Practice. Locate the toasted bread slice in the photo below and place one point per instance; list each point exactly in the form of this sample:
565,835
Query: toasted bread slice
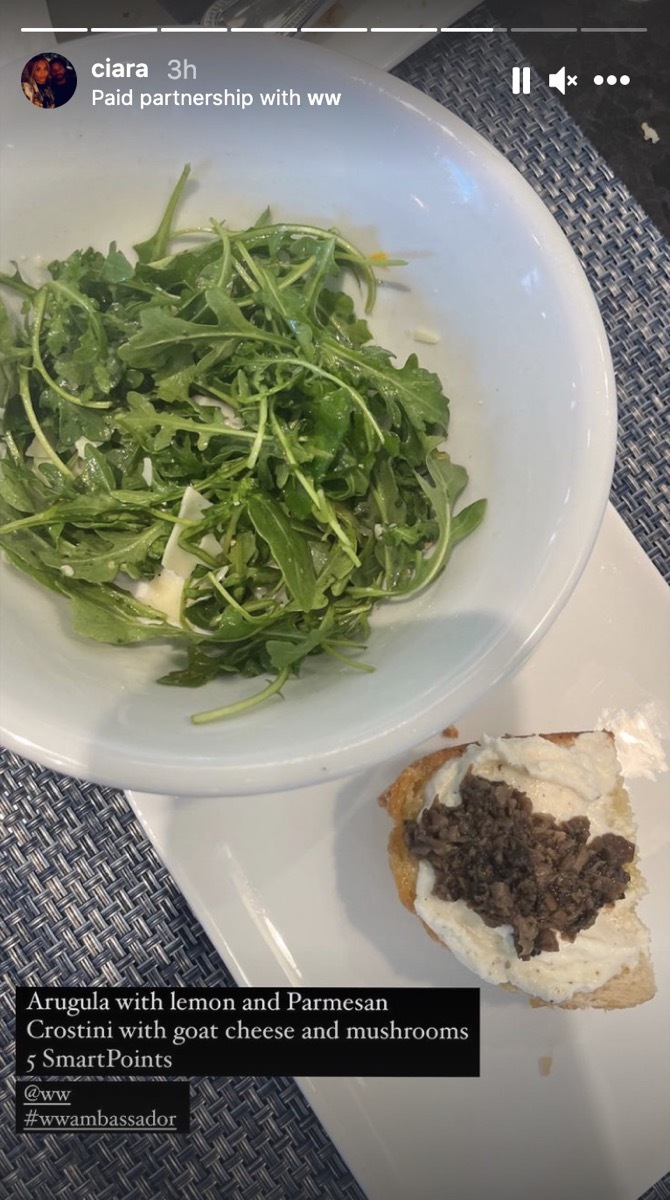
405,799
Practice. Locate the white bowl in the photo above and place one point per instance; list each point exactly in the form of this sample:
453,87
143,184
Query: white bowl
523,357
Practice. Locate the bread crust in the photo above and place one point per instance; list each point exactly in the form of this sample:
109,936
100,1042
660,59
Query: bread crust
404,800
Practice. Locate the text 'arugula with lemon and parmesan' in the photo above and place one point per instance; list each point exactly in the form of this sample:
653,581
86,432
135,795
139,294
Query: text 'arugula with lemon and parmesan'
205,446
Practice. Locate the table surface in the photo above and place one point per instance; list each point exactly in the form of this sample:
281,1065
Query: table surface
84,900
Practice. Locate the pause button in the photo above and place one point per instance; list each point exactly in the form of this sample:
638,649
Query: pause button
520,80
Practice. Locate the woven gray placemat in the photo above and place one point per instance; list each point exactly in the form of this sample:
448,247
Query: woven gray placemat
84,899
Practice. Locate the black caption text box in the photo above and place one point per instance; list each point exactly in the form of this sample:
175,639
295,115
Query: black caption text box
247,1031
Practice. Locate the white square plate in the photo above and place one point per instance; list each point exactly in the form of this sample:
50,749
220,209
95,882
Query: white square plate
294,889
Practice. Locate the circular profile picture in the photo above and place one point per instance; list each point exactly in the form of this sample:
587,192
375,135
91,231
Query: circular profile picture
48,80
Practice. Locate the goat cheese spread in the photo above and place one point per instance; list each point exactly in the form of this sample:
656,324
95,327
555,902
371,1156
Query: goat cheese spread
580,779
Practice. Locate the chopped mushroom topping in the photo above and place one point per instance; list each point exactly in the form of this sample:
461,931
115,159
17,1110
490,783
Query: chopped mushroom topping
517,867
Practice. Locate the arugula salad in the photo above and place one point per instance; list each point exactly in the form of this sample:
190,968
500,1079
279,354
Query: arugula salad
204,445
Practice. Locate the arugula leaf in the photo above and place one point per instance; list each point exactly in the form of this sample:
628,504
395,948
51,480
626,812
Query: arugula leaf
116,268
101,557
16,282
154,248
288,548
418,391
110,616
170,342
10,356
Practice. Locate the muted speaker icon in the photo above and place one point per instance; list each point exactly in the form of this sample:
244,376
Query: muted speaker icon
557,80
